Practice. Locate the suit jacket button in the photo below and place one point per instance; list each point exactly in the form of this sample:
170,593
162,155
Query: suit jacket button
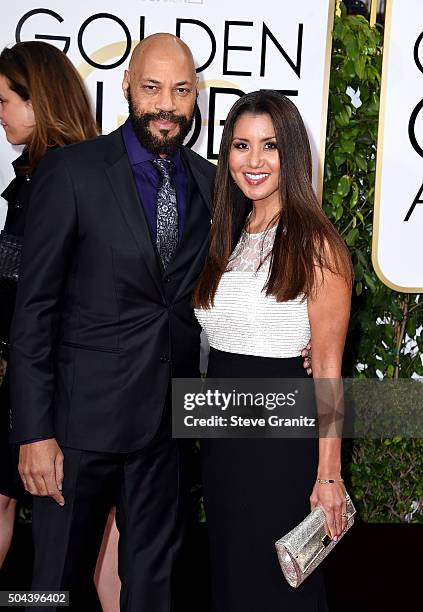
164,359
166,279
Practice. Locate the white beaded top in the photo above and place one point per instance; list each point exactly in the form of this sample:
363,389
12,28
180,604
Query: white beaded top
243,319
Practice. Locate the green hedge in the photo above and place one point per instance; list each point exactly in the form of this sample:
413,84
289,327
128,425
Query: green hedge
385,476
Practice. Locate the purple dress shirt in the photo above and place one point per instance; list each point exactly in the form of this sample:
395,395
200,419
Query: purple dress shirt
147,179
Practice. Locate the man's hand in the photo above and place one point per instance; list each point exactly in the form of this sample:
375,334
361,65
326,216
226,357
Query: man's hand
41,469
306,353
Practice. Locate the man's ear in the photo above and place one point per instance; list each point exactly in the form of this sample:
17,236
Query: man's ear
125,83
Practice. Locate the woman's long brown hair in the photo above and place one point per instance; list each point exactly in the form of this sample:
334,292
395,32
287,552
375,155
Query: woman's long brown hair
41,73
306,243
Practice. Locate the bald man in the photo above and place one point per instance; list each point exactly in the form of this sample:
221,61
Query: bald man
116,237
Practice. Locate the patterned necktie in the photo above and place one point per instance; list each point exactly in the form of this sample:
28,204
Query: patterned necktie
167,212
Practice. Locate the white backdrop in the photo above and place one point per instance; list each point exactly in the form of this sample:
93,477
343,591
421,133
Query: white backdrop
398,225
238,46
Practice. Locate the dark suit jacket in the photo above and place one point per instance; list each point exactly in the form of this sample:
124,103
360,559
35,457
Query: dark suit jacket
99,326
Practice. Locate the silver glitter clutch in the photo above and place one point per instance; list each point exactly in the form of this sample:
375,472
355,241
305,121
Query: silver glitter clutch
302,549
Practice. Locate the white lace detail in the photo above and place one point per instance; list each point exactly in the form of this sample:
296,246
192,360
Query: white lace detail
253,252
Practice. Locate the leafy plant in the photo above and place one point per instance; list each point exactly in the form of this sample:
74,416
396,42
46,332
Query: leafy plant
384,338
386,478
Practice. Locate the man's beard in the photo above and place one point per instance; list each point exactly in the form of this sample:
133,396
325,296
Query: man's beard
159,146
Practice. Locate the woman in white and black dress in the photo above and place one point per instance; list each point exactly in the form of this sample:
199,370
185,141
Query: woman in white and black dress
277,273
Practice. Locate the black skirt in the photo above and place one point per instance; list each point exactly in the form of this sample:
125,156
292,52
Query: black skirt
256,490
10,482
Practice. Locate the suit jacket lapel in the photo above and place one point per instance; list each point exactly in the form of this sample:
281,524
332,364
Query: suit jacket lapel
193,247
203,183
122,182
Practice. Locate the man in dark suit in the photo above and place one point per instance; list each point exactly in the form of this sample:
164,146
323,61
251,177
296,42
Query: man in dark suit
116,237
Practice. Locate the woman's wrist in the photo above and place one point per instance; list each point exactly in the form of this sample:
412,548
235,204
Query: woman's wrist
329,474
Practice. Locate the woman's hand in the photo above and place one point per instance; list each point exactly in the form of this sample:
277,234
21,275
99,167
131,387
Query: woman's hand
306,355
331,497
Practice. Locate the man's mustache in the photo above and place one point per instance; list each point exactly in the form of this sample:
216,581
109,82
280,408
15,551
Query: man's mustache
163,116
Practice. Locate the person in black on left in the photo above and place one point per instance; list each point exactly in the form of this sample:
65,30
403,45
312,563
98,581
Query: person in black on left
43,105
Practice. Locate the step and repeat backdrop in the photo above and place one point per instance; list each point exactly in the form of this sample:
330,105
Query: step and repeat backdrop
398,221
238,46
